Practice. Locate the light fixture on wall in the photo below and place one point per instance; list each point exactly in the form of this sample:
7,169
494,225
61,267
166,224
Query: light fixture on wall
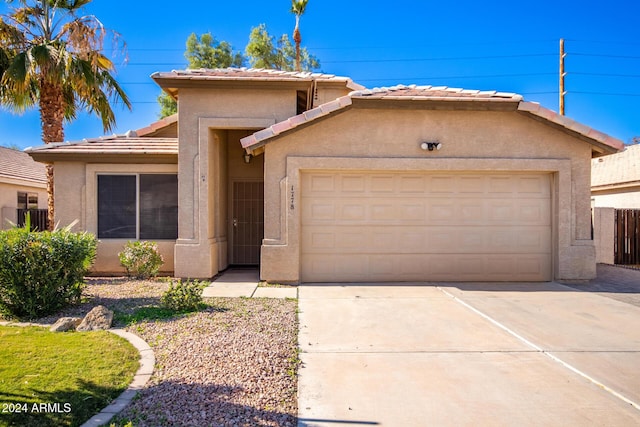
431,146
247,158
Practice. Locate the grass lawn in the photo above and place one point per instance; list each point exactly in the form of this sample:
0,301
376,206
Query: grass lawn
60,379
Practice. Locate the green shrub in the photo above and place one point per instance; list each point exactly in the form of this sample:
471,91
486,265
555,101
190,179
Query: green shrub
43,272
141,259
184,296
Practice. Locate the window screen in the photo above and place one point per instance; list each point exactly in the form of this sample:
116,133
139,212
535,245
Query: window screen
158,206
117,206
22,200
32,201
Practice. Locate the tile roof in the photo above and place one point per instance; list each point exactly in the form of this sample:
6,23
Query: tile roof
259,138
600,141
434,93
158,128
617,169
127,144
16,164
251,74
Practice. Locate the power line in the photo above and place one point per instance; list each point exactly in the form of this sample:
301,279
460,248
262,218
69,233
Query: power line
483,76
155,64
605,93
461,58
612,42
603,55
603,74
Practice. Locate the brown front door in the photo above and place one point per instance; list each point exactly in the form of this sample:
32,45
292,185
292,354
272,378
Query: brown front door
247,222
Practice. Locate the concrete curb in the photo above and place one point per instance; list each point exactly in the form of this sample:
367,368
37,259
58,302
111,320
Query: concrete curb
140,379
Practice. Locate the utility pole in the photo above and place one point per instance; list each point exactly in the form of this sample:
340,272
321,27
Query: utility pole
562,92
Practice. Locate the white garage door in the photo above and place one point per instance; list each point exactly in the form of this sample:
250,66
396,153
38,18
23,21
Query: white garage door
370,226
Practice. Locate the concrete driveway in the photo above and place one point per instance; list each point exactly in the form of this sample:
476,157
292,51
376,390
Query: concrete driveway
475,354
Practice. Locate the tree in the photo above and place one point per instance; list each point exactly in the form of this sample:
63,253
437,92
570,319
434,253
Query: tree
202,52
51,56
263,51
207,52
297,8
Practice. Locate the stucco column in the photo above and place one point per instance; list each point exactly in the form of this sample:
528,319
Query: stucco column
195,252
604,234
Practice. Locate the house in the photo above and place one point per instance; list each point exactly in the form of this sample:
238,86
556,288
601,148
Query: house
317,179
23,185
615,185
615,180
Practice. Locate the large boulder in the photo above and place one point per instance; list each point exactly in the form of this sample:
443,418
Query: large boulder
98,318
64,324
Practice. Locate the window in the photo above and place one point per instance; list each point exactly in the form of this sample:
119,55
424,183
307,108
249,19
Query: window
27,200
143,206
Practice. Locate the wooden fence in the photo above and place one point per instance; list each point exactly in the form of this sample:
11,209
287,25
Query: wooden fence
38,219
627,237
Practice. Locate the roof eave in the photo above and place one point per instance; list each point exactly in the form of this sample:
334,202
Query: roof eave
170,83
602,144
105,157
615,186
15,180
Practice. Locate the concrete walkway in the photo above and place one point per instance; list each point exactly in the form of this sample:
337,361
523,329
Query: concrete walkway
503,354
235,283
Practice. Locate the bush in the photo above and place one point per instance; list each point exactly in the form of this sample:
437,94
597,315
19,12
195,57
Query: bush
141,259
43,272
184,296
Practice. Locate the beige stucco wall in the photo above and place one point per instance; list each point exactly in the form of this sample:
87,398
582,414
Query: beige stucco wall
389,139
9,199
625,198
211,122
604,234
76,200
210,126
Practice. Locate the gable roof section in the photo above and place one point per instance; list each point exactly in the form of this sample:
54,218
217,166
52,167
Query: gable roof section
17,165
617,170
601,142
128,148
170,81
438,97
165,127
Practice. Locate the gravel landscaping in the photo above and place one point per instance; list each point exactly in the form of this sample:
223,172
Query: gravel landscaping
232,364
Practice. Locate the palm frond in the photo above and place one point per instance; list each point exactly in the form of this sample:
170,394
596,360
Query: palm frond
50,44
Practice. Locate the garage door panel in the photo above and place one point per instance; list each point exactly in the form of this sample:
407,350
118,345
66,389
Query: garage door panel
454,185
438,267
426,240
426,211
370,226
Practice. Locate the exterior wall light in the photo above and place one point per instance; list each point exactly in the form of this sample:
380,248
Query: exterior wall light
247,158
431,146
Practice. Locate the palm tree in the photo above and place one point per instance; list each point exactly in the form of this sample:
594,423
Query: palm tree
297,8
51,56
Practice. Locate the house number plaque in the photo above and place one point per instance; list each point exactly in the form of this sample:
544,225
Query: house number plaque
292,199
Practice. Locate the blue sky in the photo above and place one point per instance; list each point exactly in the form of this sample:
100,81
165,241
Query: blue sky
495,45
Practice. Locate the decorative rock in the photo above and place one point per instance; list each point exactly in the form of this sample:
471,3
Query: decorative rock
64,324
98,318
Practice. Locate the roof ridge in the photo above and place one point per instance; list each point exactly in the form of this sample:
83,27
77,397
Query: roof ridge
428,91
230,71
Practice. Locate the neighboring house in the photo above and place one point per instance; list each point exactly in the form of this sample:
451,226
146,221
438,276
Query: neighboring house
23,185
315,178
615,180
